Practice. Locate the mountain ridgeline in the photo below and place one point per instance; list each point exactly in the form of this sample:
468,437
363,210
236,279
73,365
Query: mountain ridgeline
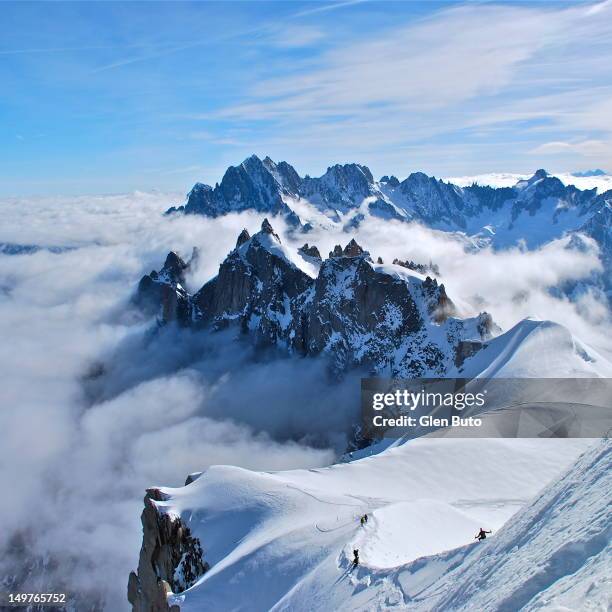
346,193
530,214
385,317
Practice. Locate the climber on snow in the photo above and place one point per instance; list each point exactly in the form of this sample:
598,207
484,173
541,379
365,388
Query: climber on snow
481,535
356,559
364,519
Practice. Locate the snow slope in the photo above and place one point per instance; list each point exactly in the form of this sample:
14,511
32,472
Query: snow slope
554,555
283,541
536,349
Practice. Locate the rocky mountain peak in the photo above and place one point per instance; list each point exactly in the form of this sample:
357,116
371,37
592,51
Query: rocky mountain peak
346,308
175,267
352,249
266,228
337,252
254,163
310,251
391,181
353,177
242,238
540,174
419,177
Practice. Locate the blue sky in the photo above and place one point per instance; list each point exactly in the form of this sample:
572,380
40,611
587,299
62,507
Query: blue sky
113,96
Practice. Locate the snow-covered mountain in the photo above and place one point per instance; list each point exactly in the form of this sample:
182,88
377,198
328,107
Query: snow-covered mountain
239,540
590,173
386,318
529,211
533,209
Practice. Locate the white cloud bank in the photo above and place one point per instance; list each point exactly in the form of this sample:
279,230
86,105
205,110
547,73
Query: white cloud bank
75,458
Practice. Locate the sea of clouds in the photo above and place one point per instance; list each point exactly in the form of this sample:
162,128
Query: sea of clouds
95,407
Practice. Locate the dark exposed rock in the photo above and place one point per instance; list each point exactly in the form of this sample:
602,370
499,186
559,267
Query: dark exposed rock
253,185
310,251
342,187
353,312
253,285
352,249
266,228
163,292
242,238
192,477
171,559
486,325
175,268
418,267
440,306
195,257
268,187
465,349
392,181
379,261
337,252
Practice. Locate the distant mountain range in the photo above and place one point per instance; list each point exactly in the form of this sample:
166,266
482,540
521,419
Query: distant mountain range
531,213
585,173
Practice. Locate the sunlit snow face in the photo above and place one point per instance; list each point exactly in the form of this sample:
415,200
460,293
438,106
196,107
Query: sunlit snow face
90,454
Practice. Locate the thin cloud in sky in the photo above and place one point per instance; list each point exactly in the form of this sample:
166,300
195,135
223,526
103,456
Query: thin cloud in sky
461,62
303,37
65,49
328,7
453,56
451,89
588,148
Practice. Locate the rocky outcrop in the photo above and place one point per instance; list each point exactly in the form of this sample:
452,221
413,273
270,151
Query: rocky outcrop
310,251
163,293
171,559
418,267
353,311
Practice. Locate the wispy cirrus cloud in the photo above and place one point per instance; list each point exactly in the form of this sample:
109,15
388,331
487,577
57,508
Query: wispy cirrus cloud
588,148
293,36
460,70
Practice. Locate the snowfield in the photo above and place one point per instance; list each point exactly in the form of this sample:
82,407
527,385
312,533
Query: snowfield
284,540
536,349
507,179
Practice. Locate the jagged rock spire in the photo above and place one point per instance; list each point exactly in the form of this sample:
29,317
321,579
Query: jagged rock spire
337,252
311,251
266,228
244,237
352,249
175,266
